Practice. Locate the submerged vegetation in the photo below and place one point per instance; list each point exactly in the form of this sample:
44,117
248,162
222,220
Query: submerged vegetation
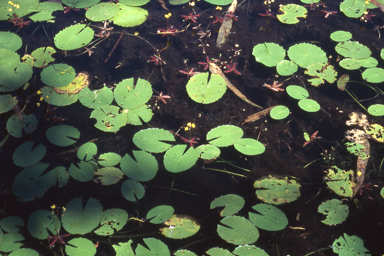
120,136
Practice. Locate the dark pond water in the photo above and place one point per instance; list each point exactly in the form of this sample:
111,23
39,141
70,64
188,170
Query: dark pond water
284,153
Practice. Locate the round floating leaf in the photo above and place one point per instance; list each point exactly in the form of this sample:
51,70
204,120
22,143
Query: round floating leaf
245,250
269,54
297,92
382,192
219,252
291,13
178,2
73,37
232,204
124,249
45,10
132,190
87,151
130,96
11,223
10,41
269,218
277,190
51,97
8,60
321,72
224,135
134,2
279,112
58,75
353,50
130,16
237,230
102,11
219,2
309,105
349,245
15,125
42,224
112,220
80,4
109,118
286,68
109,159
26,154
10,242
341,36
109,175
369,62
373,75
305,54
335,210
350,64
83,171
342,82
31,182
151,140
134,116
208,152
160,214
204,91
79,220
62,176
353,8
43,56
7,102
23,252
156,247
13,78
176,159
80,246
96,98
340,181
62,135
376,110
250,147
184,253
143,169
180,226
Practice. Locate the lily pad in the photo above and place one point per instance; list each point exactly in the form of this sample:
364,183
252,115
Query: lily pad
74,37
82,171
130,96
204,91
130,16
224,135
208,152
132,190
10,41
156,247
160,214
96,98
340,181
80,245
151,140
376,110
279,112
291,13
51,97
176,159
43,56
58,75
87,151
43,223
305,54
28,154
108,175
341,36
109,159
349,245
7,102
237,230
102,11
232,204
137,115
269,217
269,54
62,135
373,75
112,220
11,224
249,147
352,49
15,126
336,212
180,226
309,105
297,92
286,68
109,118
353,8
144,168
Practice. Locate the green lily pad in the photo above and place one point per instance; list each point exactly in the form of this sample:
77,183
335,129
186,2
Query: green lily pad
62,135
352,49
42,223
80,245
286,68
373,75
178,2
350,64
224,135
11,224
43,56
112,220
130,16
376,110
369,62
123,249
102,11
109,118
184,253
340,181
132,190
109,159
73,37
341,36
305,54
11,242
176,159
279,112
208,152
349,245
96,98
82,220
269,54
180,226
143,169
219,2
82,171
297,92
216,251
353,8
58,75
249,147
232,204
24,251
134,2
87,151
52,97
309,105
10,41
269,217
130,96
27,154
160,214
291,13
7,102
277,190
204,91
134,116
15,125
336,212
155,247
45,10
108,175
245,250
151,140
237,230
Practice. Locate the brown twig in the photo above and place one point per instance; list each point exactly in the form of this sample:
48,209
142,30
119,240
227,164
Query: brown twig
114,47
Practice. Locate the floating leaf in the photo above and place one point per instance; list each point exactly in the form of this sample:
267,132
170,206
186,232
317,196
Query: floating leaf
279,112
297,92
102,11
224,135
208,152
83,171
178,2
151,140
373,75
23,252
305,54
219,252
109,175
10,242
132,190
134,2
156,247
232,204
42,223
342,82
286,68
130,96
43,56
176,159
269,54
80,4
52,97
96,98
180,226
58,75
11,224
376,110
45,10
144,168
79,220
350,64
109,118
109,159
237,230
15,125
277,190
123,249
62,135
341,36
369,62
340,181
219,2
7,102
335,210
184,252
112,220
204,91
26,154
249,147
291,13
130,16
321,72
80,246
269,218
352,49
134,116
81,81
245,250
160,214
353,8
309,105
349,245
73,37
10,41
87,151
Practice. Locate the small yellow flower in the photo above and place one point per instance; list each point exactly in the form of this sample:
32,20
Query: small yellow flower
219,8
38,104
64,209
10,2
136,33
168,15
186,128
193,125
53,206
10,9
359,173
17,6
41,99
38,92
47,97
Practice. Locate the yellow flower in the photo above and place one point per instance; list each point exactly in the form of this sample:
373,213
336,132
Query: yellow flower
38,104
193,125
10,2
136,33
17,6
168,15
47,96
186,128
10,9
41,99
64,209
359,173
53,206
219,8
38,92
